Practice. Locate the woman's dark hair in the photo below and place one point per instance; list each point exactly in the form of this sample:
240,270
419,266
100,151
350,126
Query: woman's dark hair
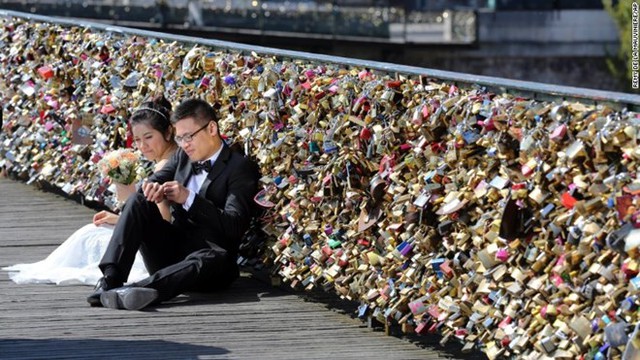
156,113
197,109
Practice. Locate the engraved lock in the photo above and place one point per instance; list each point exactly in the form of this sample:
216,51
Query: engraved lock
559,113
326,106
387,95
381,145
191,65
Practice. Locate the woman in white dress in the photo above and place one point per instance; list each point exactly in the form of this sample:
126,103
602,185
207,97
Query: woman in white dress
76,260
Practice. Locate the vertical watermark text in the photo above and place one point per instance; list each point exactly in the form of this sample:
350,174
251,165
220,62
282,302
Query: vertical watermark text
635,51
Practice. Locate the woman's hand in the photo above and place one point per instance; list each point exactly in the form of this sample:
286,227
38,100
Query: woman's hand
153,192
105,217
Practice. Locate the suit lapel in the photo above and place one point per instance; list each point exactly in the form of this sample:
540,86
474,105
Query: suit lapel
184,172
218,167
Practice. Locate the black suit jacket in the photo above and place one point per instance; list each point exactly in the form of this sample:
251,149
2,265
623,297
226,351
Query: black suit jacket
223,207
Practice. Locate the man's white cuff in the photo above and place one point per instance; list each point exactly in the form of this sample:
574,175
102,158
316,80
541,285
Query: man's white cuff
187,204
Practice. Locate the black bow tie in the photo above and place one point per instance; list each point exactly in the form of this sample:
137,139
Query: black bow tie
200,166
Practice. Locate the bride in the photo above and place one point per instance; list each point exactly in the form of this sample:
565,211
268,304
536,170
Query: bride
76,260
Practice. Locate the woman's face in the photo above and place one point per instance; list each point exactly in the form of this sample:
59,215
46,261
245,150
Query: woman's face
150,141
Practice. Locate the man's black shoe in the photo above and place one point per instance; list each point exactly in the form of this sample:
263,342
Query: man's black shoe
129,298
104,284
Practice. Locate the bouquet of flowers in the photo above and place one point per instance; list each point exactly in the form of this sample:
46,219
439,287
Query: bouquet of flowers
122,166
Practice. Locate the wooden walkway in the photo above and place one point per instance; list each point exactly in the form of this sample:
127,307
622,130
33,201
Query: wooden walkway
251,321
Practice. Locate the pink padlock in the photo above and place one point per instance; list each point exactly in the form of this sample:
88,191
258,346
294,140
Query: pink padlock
558,133
48,126
363,74
557,280
417,307
502,255
526,170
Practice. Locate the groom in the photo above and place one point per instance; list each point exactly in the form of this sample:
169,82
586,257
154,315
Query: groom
211,190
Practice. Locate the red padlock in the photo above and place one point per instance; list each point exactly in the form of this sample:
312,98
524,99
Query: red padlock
394,84
364,242
568,201
505,341
365,133
107,109
46,72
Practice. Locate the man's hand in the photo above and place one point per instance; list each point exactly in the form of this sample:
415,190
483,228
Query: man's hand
175,192
105,217
153,192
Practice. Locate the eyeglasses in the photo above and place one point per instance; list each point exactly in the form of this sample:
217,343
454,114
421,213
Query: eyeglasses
189,137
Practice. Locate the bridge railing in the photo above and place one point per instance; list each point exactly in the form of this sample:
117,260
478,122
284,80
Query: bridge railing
526,89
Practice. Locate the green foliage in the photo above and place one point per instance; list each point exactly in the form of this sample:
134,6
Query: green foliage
620,65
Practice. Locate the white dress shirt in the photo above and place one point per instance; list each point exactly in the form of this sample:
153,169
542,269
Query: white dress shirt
196,180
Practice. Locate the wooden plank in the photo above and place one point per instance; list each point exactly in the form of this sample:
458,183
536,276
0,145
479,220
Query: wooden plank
250,320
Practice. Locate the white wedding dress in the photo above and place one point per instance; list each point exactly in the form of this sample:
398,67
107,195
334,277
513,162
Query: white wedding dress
75,261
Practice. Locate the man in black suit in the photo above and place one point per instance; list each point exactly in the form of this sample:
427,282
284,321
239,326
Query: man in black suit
211,189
